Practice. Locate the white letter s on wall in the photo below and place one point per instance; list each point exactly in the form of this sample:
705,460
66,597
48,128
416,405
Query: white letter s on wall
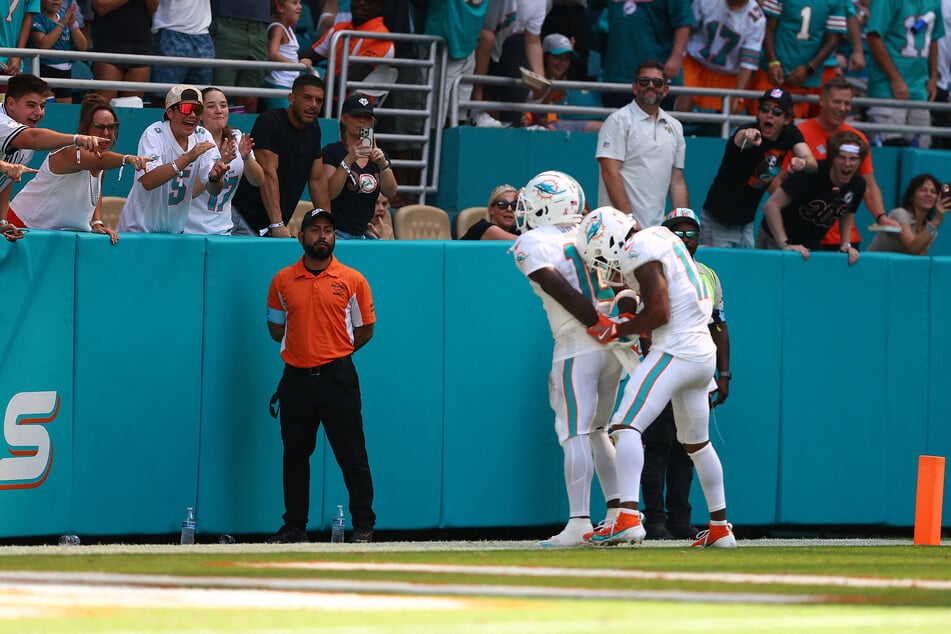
27,439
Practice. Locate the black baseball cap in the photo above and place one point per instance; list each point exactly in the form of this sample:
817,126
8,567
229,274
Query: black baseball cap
357,103
780,96
313,215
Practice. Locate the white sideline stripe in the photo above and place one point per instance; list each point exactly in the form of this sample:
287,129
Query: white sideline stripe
12,583
712,577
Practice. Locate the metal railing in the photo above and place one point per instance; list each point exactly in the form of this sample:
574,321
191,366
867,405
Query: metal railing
725,119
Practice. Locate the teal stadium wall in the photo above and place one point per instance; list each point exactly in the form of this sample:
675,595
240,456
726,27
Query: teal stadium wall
158,354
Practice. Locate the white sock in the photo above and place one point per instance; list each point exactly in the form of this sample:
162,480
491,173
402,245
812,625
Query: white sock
605,464
710,474
630,463
579,470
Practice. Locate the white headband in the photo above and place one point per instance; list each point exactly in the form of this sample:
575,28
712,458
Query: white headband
850,147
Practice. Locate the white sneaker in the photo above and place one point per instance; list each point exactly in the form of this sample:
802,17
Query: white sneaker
572,535
481,119
716,537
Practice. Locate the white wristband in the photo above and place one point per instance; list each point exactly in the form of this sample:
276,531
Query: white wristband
75,139
96,222
276,225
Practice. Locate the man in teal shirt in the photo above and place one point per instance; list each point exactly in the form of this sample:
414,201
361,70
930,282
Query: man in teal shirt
902,38
642,30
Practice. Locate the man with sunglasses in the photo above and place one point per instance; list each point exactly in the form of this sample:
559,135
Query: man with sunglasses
641,151
751,160
665,460
185,160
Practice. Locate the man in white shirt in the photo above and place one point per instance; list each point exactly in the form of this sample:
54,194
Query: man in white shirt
641,151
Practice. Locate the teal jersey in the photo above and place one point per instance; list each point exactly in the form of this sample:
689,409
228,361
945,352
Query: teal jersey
458,22
639,31
800,30
907,28
12,20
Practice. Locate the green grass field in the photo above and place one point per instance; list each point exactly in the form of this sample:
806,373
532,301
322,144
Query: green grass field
476,587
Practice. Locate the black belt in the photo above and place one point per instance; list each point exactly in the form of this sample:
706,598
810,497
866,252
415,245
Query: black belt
314,371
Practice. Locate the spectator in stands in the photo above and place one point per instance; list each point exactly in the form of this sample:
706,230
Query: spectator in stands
570,18
357,170
180,29
501,222
903,40
238,30
458,22
186,163
15,31
283,47
559,54
835,105
122,26
367,16
24,106
56,29
641,151
642,31
381,226
723,51
938,118
800,36
509,40
287,145
212,213
753,157
800,212
66,193
923,208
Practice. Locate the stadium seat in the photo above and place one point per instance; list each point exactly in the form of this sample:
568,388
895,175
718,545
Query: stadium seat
111,210
379,75
303,206
421,222
468,217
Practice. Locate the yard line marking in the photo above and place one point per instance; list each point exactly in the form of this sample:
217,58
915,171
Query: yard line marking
647,575
13,580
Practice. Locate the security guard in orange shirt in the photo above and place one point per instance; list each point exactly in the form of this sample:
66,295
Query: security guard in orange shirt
321,312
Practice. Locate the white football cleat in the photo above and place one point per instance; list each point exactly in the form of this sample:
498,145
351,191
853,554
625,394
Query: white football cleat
716,537
572,535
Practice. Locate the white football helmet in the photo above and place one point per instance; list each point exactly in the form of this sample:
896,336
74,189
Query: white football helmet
600,237
551,198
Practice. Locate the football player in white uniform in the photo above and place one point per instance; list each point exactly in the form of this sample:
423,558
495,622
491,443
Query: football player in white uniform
584,378
676,307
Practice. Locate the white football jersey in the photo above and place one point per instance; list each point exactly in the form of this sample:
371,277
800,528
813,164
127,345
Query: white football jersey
554,247
726,41
165,208
8,130
212,214
685,334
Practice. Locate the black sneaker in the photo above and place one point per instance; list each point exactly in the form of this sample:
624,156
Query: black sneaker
657,531
361,536
683,531
287,535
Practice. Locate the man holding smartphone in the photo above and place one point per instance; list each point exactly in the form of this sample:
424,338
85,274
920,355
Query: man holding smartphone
357,170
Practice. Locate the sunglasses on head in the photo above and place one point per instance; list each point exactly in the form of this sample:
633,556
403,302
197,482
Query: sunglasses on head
777,112
506,204
102,127
689,233
188,108
656,82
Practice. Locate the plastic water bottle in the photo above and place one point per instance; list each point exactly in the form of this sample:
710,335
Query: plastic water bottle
337,525
188,526
69,540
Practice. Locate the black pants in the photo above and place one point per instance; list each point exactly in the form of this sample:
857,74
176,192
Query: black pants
665,460
330,395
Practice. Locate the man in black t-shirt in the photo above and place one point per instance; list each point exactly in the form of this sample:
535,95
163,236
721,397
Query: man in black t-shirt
800,212
753,157
287,145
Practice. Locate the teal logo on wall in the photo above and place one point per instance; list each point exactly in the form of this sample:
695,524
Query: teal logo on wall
27,439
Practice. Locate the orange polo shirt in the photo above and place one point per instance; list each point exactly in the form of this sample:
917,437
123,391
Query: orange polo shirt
365,47
817,140
319,312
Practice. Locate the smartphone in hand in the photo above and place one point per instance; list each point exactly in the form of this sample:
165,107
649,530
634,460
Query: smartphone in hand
365,145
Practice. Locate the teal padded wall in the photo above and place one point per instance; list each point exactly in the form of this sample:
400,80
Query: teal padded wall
137,380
